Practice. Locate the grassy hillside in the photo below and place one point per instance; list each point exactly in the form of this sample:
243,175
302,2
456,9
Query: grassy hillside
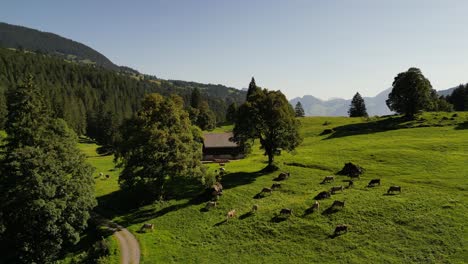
425,223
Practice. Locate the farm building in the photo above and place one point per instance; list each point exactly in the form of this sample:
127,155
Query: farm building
219,146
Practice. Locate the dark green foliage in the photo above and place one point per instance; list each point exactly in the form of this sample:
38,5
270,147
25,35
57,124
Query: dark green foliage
83,94
299,110
206,119
3,108
46,188
357,107
195,99
231,113
459,98
252,88
439,103
411,93
268,116
159,145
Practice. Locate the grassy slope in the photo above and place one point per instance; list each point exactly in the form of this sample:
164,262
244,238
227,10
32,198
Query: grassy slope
423,224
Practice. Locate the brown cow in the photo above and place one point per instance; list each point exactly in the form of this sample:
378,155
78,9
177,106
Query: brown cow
286,211
275,186
374,182
231,214
283,176
146,227
336,188
210,205
267,190
394,189
254,208
328,179
316,205
340,228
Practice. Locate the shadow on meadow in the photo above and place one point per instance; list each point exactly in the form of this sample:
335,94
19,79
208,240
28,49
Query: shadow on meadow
233,180
462,126
128,206
381,125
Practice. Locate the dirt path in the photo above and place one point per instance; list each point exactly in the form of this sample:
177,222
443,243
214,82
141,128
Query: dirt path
129,248
128,244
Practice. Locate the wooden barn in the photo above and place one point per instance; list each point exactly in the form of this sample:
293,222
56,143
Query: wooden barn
219,146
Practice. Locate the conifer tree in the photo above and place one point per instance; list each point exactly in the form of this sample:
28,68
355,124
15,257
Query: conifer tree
46,188
252,88
357,107
299,110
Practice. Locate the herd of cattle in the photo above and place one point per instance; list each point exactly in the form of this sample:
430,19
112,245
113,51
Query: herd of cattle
216,191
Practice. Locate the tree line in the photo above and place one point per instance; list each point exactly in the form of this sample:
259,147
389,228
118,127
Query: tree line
93,100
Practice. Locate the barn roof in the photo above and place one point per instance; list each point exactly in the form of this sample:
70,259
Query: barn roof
218,140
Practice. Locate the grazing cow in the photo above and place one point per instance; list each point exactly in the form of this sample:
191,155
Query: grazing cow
338,203
254,208
374,182
323,195
147,226
107,176
275,186
336,188
267,190
340,228
283,176
222,170
231,214
210,205
316,205
286,211
222,164
101,174
328,179
394,189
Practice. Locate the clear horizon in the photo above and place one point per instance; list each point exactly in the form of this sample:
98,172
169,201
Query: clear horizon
327,49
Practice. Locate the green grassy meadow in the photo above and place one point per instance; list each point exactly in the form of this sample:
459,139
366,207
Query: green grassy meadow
427,157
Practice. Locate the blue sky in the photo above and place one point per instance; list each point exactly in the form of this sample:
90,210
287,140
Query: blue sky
324,48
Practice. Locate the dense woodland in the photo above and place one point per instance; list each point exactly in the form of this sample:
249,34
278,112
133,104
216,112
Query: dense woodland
94,100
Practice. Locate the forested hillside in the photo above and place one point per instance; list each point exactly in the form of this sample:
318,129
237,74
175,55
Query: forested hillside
18,37
87,96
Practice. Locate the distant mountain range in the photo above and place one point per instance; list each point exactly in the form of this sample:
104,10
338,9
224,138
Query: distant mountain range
339,107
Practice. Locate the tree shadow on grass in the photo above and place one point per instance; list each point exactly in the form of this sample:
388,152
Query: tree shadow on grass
462,126
232,180
127,207
390,123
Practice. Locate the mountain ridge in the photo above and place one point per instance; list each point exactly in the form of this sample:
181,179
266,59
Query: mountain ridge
376,105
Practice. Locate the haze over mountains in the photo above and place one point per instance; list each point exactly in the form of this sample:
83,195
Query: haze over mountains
376,105
18,37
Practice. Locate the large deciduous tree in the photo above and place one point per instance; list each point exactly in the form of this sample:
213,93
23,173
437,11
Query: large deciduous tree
268,117
357,107
158,145
46,187
411,93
